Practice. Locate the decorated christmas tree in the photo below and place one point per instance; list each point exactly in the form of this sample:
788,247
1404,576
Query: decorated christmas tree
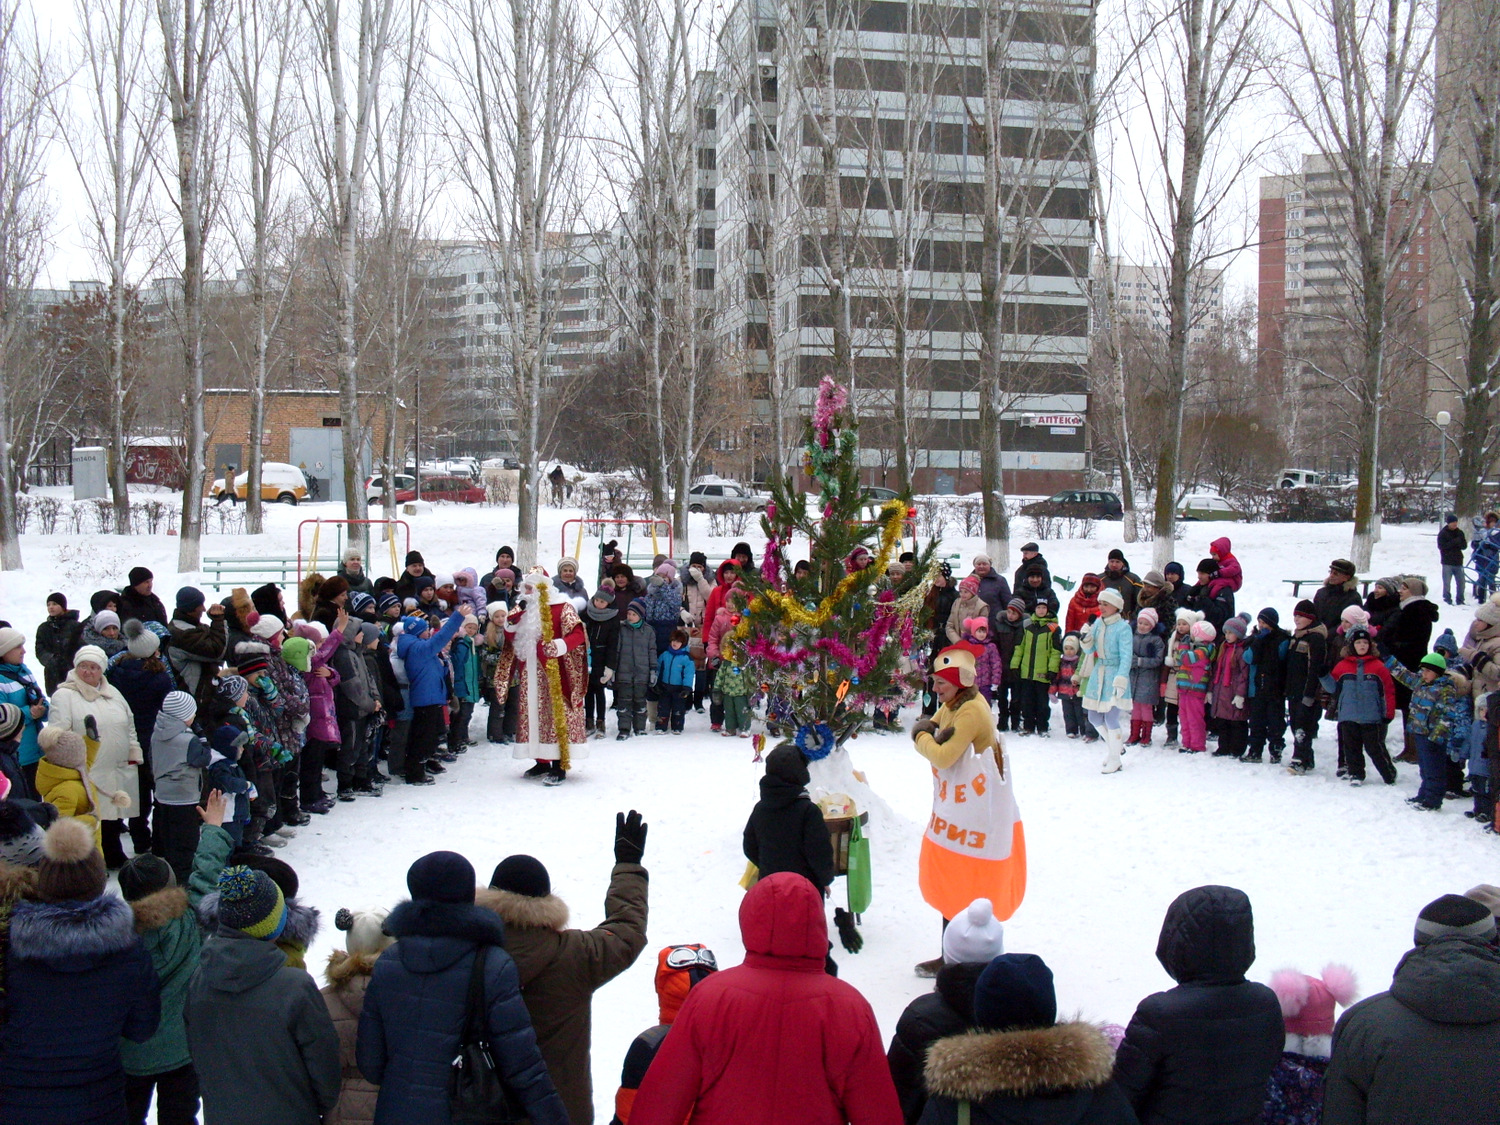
831,646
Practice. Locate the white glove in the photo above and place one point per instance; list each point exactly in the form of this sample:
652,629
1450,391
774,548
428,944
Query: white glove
696,572
559,647
1239,702
606,675
1121,683
686,617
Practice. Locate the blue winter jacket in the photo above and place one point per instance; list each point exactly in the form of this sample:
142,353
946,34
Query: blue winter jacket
1113,646
78,979
413,1015
674,668
424,665
19,687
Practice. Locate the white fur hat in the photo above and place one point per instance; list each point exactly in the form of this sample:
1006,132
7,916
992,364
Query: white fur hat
1110,596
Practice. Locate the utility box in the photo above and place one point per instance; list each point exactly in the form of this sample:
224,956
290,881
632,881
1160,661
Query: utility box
90,472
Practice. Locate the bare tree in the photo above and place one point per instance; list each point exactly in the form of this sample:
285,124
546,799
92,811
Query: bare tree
27,84
521,72
404,175
1198,62
1356,86
342,114
261,58
1468,213
192,38
112,142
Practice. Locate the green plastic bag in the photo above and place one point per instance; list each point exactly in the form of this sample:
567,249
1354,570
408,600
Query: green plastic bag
859,869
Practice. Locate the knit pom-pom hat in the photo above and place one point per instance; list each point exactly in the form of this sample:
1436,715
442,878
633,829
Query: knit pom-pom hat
251,902
974,624
140,641
364,933
71,868
1203,631
975,936
1307,1005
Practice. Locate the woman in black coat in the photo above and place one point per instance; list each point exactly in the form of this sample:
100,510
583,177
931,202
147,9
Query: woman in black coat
78,979
1203,1051
1383,601
947,1010
409,1028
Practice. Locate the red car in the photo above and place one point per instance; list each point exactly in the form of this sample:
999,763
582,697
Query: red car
458,490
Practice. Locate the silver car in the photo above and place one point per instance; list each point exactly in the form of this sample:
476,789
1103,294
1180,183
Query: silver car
724,496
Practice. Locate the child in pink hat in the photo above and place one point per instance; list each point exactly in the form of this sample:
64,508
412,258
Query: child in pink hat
1295,1093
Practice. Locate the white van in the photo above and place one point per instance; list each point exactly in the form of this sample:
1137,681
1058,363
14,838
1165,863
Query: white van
1299,478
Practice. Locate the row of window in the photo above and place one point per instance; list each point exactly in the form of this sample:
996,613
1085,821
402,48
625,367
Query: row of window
948,138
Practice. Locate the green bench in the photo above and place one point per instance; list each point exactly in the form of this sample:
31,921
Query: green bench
1297,583
220,574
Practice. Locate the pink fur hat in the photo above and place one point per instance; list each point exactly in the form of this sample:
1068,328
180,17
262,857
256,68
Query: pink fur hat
1355,615
974,624
1307,1003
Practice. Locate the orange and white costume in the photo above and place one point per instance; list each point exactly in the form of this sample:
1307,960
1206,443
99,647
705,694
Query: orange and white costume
975,844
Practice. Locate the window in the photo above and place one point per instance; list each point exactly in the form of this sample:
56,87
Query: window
708,118
705,238
765,38
707,199
708,159
703,278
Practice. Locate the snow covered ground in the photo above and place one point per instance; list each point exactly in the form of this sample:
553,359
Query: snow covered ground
1334,873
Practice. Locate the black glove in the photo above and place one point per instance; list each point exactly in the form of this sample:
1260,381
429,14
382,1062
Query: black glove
630,837
848,936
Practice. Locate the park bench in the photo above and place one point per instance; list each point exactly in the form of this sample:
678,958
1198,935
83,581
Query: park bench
1297,583
220,574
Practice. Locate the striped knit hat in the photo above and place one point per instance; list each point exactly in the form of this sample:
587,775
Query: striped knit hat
250,902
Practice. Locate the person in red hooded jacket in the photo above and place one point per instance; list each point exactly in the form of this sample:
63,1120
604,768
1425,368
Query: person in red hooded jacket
1229,566
775,1040
1083,607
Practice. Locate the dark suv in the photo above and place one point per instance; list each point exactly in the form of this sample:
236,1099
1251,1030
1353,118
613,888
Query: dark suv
1079,503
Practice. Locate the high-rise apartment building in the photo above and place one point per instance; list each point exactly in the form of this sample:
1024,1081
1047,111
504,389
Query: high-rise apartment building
1308,280
1142,292
901,240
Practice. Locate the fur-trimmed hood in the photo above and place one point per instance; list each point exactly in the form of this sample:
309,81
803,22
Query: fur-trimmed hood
302,921
16,882
522,911
1019,1064
158,909
432,937
344,967
72,937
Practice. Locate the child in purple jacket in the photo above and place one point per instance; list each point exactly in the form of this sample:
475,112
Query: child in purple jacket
989,669
313,651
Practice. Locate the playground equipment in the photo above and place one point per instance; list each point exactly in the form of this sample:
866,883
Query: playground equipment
338,549
639,548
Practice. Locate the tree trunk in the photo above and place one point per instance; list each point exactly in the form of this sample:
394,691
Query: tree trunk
1179,292
529,236
1482,340
254,507
10,542
991,392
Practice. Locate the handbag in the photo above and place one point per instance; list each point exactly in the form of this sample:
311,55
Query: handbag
858,879
477,1095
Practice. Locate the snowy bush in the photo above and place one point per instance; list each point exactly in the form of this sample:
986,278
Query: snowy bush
731,523
499,490
932,519
1055,526
611,496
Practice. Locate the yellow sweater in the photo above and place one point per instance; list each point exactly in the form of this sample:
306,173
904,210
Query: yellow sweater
969,717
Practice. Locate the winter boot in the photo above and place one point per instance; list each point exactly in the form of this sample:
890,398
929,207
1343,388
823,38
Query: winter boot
1112,740
1145,737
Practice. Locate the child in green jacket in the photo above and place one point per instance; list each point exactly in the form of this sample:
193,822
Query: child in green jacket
1036,658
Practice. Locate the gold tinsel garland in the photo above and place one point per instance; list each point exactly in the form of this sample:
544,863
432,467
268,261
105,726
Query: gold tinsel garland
554,678
794,613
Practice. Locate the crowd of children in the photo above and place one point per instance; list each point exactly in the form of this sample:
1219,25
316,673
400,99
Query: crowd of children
1208,674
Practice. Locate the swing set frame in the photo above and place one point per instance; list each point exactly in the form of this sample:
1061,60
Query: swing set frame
340,525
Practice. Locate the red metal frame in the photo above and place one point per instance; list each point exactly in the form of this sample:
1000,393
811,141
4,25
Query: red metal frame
349,523
617,523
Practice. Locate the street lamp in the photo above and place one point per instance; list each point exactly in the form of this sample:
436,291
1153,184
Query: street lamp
1442,418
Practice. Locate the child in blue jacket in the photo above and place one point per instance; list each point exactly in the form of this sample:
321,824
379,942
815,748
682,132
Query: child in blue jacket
225,775
675,676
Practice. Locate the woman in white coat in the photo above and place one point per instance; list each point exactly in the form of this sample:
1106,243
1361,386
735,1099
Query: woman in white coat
1108,693
112,766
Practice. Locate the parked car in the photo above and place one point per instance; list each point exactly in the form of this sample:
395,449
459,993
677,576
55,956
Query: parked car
1207,506
876,494
457,490
723,496
1299,478
1078,504
280,483
375,486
